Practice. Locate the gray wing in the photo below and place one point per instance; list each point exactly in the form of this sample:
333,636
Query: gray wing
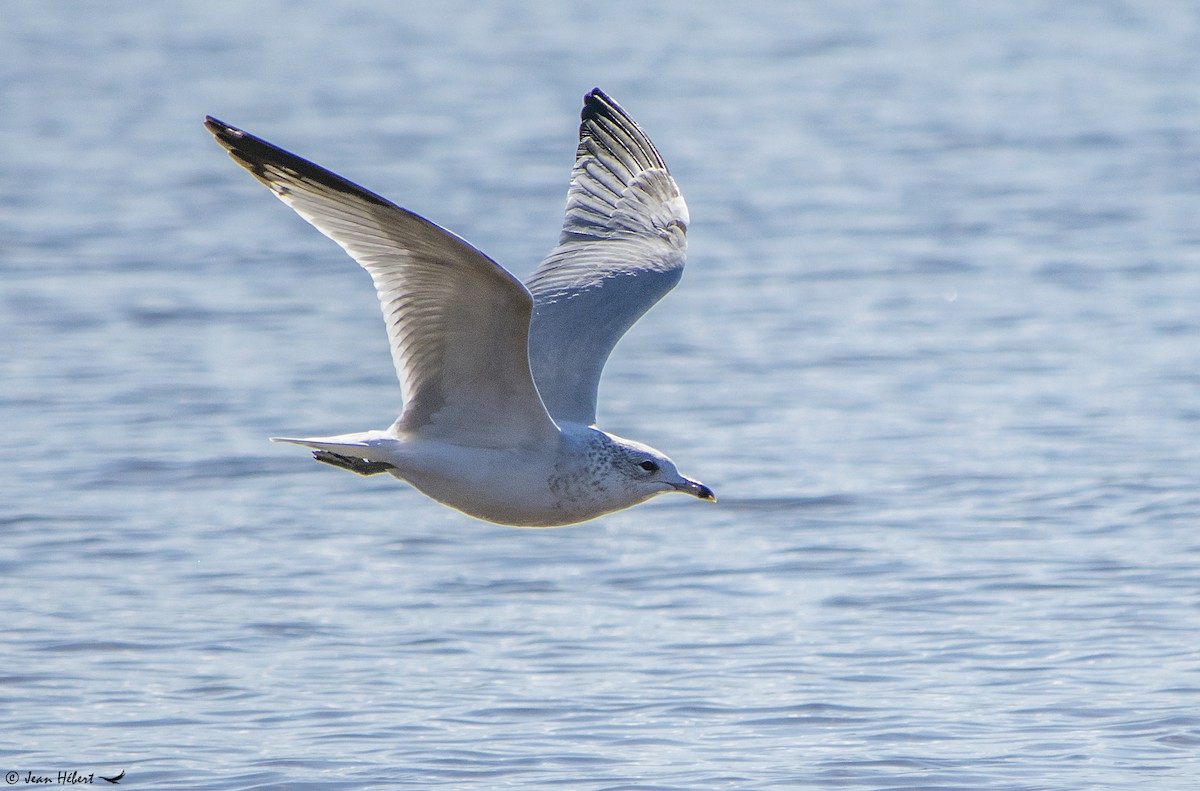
622,248
457,321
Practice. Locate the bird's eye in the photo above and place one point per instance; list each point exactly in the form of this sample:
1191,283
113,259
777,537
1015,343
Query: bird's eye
649,466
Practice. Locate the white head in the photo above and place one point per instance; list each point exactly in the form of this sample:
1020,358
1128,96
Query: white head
598,473
644,472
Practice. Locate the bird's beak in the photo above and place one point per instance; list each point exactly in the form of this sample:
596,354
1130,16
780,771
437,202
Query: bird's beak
696,489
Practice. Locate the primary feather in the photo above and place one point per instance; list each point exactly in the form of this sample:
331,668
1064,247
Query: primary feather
622,247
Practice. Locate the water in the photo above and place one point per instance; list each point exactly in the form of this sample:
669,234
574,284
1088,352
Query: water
937,350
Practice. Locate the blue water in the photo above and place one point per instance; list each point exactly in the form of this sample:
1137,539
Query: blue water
937,350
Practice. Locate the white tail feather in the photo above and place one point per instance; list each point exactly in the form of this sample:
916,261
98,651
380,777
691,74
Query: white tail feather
364,444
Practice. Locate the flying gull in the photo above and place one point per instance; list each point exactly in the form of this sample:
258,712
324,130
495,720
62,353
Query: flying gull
499,378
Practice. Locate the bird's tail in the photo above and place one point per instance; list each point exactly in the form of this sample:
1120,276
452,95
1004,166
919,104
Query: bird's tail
362,445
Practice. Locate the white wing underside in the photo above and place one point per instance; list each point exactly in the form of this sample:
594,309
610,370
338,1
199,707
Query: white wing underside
458,322
467,339
622,247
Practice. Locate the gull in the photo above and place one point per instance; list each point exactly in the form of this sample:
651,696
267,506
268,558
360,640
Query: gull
499,379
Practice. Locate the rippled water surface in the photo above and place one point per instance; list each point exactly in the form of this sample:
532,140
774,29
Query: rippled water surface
937,351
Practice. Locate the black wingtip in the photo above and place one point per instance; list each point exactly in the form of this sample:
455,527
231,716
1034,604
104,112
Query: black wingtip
228,136
597,103
600,111
216,126
260,158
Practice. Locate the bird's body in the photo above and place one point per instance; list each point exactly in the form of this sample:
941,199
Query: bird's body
500,379
562,481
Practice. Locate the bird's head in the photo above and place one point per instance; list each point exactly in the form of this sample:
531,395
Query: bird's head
652,472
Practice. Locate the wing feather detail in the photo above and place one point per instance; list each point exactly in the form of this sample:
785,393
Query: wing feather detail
622,247
458,323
